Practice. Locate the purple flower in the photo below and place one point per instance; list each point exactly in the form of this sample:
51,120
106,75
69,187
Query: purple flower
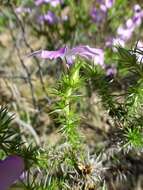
10,170
98,15
39,2
137,8
111,71
23,10
138,15
49,17
111,42
124,32
99,58
94,54
129,23
137,19
109,3
45,54
53,3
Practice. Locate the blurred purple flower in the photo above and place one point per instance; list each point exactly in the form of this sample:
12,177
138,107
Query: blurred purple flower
23,10
49,17
99,58
129,23
53,3
39,2
94,54
109,41
97,15
109,3
10,170
137,8
111,71
136,20
124,32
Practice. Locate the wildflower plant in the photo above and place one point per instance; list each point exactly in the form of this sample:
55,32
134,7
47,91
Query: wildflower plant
70,83
69,160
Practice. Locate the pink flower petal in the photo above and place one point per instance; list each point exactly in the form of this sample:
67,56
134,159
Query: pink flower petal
45,54
10,170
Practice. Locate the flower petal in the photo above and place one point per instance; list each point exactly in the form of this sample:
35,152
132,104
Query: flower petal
84,51
95,54
10,170
45,54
